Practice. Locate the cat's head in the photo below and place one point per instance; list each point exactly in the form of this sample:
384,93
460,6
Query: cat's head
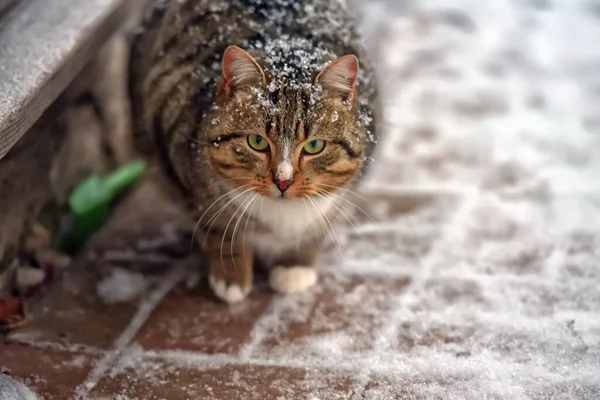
285,138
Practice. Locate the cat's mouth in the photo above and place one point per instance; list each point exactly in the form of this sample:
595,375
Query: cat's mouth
279,194
285,191
276,193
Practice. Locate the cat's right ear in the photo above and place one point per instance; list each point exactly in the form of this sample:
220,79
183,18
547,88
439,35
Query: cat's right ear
340,76
240,70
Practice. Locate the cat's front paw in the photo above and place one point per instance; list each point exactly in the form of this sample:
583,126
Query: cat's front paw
292,279
230,293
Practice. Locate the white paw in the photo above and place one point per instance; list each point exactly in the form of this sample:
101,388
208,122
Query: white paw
230,294
292,279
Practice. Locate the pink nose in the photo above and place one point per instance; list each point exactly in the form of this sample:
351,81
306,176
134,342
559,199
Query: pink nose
283,185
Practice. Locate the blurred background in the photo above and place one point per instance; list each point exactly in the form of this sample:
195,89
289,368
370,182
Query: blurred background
476,276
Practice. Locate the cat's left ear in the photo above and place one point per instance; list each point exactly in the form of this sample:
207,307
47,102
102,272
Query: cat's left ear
340,76
240,70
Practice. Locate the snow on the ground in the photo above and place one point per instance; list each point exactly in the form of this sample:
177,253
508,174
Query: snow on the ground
121,285
492,116
498,101
11,389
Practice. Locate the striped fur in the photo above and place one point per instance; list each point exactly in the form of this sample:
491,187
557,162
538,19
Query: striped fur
194,118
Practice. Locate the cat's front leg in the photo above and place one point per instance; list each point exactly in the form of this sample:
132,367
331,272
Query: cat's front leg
230,275
295,272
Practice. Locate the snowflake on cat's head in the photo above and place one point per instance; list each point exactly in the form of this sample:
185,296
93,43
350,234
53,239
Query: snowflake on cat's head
294,60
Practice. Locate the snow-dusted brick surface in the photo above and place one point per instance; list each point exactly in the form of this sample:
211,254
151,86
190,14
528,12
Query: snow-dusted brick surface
476,274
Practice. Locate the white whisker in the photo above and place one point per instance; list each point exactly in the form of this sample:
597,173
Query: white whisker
237,224
248,220
352,192
232,237
214,217
329,230
337,196
337,206
211,206
320,220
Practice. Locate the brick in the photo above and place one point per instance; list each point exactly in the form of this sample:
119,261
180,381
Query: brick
53,374
337,320
72,312
249,382
196,320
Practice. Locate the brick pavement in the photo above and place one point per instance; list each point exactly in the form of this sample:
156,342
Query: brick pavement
476,275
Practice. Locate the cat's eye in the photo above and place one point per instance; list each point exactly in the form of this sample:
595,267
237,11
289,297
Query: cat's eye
314,146
258,142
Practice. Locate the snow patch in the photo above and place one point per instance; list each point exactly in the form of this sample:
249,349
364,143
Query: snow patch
121,286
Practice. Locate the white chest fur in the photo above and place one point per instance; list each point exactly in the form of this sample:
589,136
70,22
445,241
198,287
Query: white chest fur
288,222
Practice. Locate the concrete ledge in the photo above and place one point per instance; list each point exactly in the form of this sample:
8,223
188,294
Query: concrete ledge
43,46
5,7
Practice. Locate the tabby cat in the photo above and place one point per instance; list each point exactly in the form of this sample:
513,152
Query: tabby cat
259,113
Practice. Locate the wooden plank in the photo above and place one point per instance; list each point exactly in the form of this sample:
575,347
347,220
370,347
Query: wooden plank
43,46
5,7
4,4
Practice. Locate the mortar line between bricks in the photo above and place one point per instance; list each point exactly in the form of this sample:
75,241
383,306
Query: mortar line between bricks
260,326
147,305
269,319
59,347
387,331
412,366
189,358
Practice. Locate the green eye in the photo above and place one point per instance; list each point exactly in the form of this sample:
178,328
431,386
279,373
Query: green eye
314,146
258,142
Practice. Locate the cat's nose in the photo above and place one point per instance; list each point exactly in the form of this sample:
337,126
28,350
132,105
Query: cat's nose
284,177
282,184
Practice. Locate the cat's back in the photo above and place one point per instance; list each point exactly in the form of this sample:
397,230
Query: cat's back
171,25
183,41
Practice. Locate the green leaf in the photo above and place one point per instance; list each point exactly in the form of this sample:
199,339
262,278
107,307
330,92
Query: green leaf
90,204
125,176
90,194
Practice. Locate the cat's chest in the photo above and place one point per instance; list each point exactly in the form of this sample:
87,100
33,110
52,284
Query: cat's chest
284,225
